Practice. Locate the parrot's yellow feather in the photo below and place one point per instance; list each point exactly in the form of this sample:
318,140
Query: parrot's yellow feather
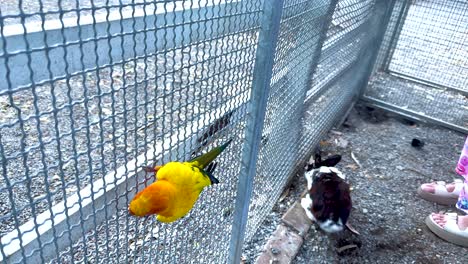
176,189
174,193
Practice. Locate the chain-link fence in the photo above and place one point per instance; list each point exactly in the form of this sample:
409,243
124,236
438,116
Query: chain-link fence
422,70
91,91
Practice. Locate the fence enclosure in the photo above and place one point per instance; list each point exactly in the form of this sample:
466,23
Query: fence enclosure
91,91
422,67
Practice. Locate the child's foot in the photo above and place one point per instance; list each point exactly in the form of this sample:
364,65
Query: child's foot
440,192
450,227
442,219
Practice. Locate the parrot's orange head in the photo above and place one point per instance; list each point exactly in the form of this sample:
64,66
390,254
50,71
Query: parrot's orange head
154,199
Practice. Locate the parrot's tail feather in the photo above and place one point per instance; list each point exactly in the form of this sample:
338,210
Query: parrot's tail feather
203,160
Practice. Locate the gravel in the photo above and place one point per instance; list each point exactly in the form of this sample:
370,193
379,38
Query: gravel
420,98
114,113
431,49
432,44
386,209
55,9
393,232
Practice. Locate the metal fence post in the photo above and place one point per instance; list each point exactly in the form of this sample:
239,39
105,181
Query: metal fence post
318,49
268,37
300,78
312,67
394,30
369,52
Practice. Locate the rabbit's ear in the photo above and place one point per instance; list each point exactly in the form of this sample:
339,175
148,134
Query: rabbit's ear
331,161
317,160
309,167
316,164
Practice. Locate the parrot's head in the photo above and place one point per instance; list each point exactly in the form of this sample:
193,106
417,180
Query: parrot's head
133,208
154,199
130,210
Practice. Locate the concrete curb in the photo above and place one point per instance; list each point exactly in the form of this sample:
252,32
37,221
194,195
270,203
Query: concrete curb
286,241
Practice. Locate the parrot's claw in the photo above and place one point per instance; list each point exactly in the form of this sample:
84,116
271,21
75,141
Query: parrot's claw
150,169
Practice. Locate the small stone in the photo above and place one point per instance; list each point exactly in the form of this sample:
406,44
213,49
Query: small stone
227,212
365,210
341,142
336,132
275,251
399,167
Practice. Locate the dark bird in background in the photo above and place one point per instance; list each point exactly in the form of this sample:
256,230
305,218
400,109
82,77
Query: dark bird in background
417,143
328,199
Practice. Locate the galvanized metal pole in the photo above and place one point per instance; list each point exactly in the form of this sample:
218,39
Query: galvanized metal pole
268,37
323,35
403,6
380,19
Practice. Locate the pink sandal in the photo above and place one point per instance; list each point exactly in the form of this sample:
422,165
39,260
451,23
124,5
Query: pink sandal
441,195
450,232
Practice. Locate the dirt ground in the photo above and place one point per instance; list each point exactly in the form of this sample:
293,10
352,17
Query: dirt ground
386,209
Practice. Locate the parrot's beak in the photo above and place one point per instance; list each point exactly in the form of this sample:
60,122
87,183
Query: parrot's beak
130,211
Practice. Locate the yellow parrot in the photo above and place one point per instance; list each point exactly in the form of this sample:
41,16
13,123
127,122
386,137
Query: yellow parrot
177,187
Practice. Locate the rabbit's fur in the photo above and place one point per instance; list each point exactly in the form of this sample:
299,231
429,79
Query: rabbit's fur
328,199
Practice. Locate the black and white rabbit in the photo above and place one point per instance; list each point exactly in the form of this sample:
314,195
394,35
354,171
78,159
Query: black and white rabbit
328,199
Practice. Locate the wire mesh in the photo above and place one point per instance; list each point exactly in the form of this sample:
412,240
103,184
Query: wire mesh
91,91
142,79
299,36
341,50
434,38
426,49
288,137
